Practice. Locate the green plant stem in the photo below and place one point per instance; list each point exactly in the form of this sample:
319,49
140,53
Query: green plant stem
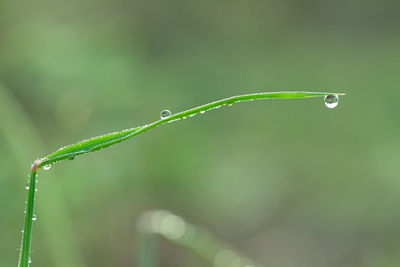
24,258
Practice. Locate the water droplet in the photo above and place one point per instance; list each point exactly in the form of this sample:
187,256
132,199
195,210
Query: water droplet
29,261
27,186
331,101
165,114
202,112
229,104
71,157
34,218
46,167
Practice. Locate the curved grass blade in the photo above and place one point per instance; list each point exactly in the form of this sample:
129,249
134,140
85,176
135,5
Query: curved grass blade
103,141
96,143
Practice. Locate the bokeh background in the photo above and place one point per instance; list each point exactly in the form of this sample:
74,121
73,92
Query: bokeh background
286,183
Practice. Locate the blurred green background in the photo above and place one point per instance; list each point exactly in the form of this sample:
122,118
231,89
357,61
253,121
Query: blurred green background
287,183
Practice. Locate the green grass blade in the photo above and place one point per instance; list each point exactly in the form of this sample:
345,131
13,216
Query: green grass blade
97,143
103,141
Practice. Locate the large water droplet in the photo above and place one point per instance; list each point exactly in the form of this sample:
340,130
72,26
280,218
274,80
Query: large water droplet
331,101
46,167
165,114
34,218
27,186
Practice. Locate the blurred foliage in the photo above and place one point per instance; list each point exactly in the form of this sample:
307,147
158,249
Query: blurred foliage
308,187
175,229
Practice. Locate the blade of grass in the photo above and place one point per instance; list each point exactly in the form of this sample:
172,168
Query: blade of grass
103,141
97,143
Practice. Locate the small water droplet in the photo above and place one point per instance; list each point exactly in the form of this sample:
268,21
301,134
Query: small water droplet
229,104
27,186
331,101
34,218
71,157
165,114
29,261
22,231
202,112
46,167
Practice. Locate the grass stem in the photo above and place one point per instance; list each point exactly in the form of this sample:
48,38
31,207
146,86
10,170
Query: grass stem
24,258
